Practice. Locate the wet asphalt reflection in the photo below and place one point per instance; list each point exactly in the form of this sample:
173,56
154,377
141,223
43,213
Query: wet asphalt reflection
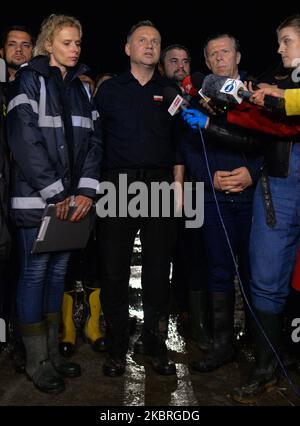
140,385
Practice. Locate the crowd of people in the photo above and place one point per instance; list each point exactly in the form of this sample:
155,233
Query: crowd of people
64,135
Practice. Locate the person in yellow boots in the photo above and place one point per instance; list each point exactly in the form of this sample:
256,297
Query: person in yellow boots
92,329
67,343
82,268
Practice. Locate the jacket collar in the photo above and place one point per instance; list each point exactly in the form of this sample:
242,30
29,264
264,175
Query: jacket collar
41,65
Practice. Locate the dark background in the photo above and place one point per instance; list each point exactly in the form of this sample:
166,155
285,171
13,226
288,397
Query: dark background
106,24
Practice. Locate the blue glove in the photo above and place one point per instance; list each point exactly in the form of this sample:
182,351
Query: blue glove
196,119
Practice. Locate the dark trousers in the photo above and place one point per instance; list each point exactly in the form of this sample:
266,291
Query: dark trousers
116,240
189,264
84,266
220,267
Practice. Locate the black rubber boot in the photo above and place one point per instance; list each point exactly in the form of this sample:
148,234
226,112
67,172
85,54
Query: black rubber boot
63,367
199,319
223,321
265,373
38,367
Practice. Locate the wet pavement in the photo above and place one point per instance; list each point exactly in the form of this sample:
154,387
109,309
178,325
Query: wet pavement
140,386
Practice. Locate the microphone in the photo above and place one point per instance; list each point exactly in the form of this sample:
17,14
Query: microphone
229,90
272,103
224,89
192,83
176,102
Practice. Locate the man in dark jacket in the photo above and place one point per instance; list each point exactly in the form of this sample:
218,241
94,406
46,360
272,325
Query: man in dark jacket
5,239
234,174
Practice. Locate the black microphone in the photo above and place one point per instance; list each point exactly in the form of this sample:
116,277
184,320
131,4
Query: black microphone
174,101
224,89
274,104
229,90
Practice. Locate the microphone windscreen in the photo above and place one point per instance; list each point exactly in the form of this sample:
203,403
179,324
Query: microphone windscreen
212,85
169,94
197,79
188,87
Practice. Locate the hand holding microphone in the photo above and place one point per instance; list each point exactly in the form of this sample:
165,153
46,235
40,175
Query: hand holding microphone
195,119
258,97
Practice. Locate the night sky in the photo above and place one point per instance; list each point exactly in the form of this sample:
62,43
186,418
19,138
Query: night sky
106,24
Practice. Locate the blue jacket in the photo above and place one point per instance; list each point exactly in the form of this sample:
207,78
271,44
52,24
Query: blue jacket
36,137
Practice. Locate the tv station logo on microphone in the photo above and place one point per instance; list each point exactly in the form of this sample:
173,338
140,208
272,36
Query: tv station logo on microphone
229,86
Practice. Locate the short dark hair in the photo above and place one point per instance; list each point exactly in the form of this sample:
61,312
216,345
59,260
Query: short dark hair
22,28
291,21
235,41
145,23
171,47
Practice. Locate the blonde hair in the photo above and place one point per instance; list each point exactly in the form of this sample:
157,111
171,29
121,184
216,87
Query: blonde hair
48,28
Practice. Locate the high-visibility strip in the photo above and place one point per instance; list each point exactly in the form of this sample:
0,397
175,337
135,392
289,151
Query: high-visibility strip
95,115
46,120
20,100
84,122
88,183
27,203
87,89
51,190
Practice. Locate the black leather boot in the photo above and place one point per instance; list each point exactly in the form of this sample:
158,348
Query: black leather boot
114,366
223,321
156,349
38,367
265,373
199,319
139,346
63,367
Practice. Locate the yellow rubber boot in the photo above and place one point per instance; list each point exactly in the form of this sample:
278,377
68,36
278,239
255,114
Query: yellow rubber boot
67,343
92,328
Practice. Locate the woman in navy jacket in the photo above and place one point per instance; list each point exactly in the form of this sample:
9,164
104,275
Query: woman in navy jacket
56,155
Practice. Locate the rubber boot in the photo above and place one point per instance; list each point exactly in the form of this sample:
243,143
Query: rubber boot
38,367
223,321
265,373
92,330
199,319
67,343
63,367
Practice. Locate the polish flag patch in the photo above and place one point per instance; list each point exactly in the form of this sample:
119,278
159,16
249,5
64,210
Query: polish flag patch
158,98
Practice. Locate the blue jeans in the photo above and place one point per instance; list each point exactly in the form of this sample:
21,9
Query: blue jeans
41,282
273,250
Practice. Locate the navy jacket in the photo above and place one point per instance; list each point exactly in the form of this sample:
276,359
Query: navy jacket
36,137
222,154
